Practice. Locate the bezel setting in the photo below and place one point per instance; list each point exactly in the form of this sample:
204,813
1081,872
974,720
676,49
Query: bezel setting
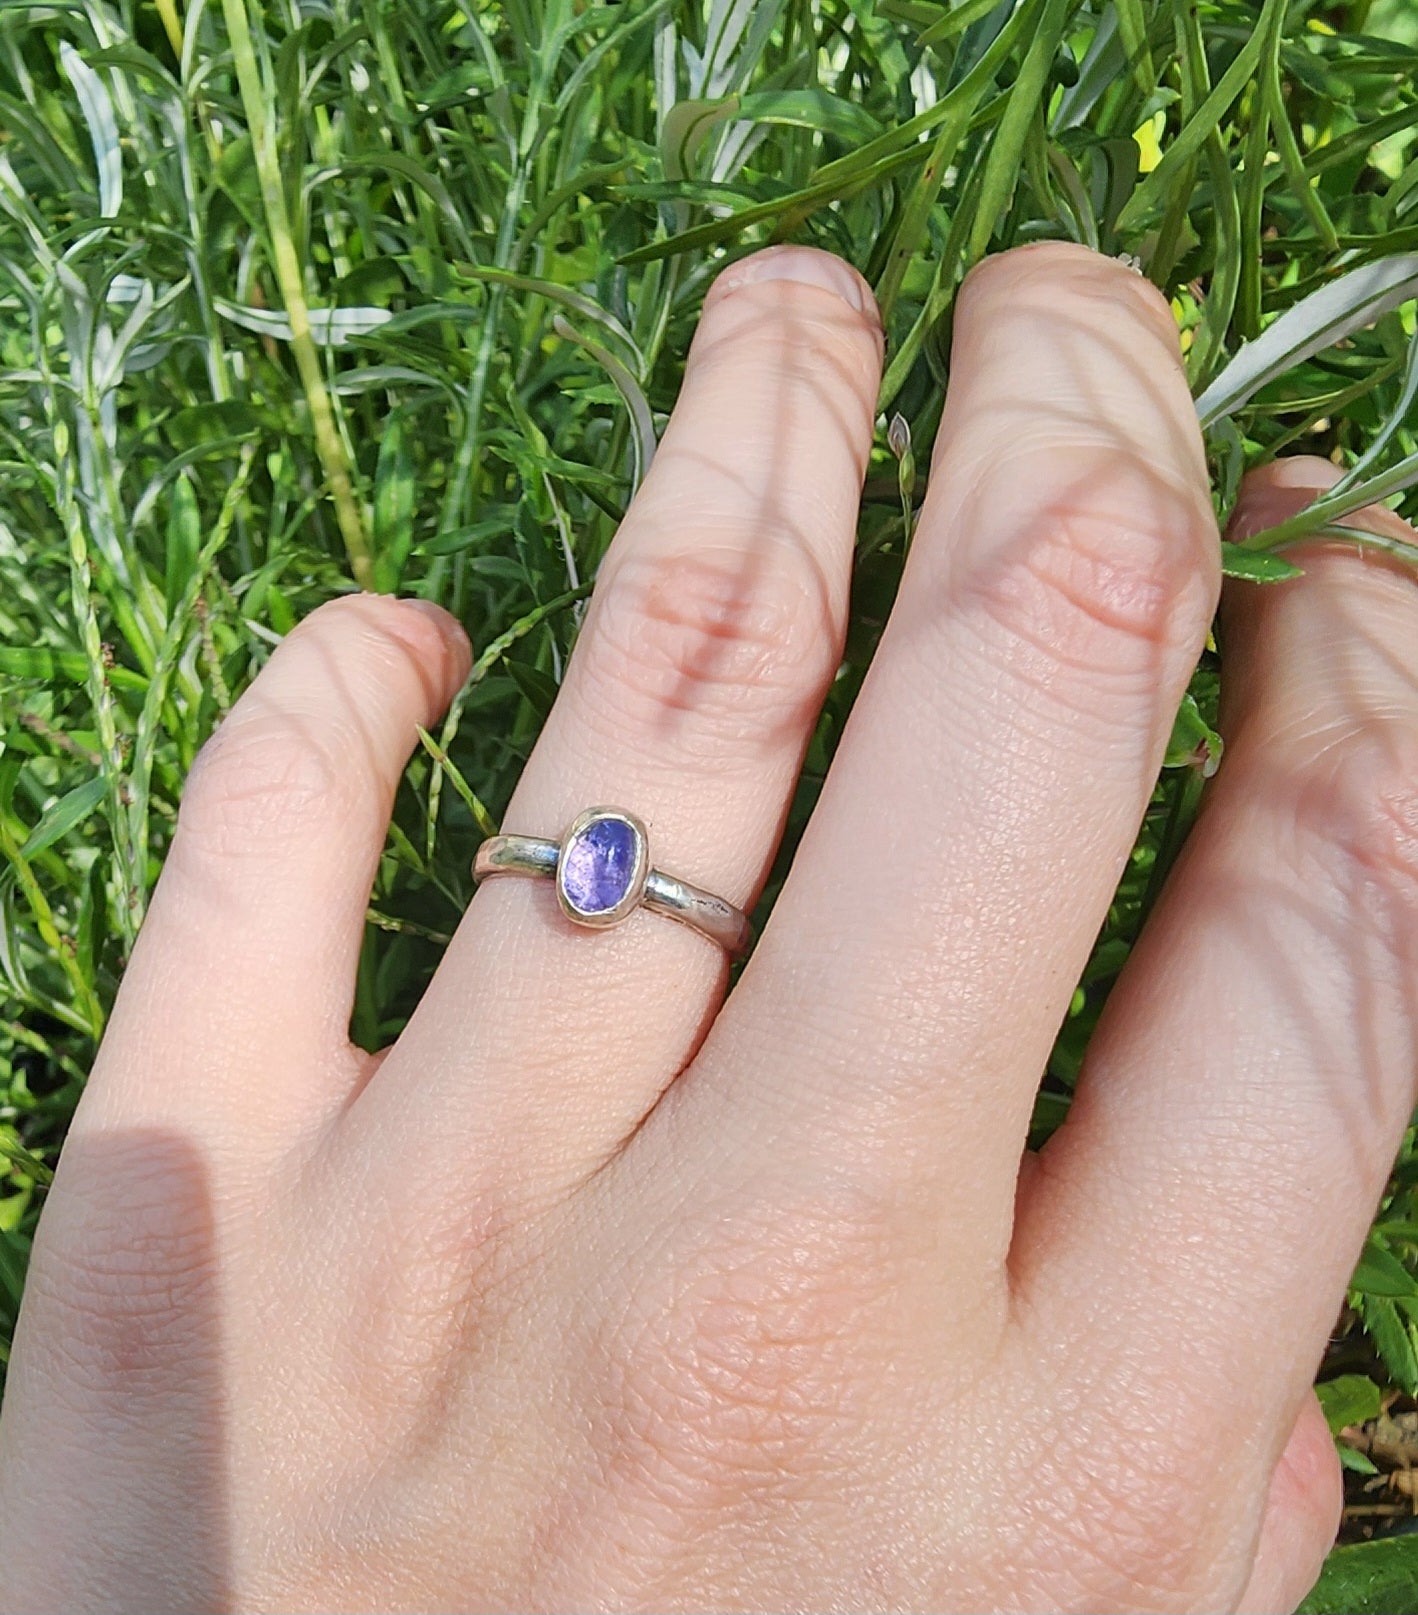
599,919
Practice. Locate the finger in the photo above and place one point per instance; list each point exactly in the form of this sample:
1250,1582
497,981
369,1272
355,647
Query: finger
1303,1507
1254,1069
246,961
716,625
999,758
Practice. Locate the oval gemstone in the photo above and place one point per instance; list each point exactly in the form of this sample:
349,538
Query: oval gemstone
598,865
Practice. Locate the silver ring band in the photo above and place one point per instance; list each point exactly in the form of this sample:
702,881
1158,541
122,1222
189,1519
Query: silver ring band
602,872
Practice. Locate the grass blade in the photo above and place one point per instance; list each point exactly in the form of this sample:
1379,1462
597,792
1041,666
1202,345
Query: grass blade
1325,317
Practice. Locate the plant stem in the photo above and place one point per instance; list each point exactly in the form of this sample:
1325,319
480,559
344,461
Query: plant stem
260,118
172,25
86,1002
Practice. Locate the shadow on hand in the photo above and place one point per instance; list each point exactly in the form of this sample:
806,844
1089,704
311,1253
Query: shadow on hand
113,1444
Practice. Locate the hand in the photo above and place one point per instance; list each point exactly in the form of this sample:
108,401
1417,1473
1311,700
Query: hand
598,1292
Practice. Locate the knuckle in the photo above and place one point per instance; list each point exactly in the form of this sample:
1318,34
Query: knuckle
265,779
1141,1529
128,1287
724,648
1349,835
754,1355
1110,596
1356,810
297,753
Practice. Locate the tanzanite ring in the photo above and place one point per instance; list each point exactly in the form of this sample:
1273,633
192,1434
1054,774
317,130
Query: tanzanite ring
603,874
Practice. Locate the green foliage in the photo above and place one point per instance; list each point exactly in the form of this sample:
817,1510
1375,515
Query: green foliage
1349,1399
399,294
1368,1578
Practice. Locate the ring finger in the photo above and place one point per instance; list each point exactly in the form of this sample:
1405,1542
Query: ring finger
714,630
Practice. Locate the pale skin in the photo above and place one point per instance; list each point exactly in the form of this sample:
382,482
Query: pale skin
599,1291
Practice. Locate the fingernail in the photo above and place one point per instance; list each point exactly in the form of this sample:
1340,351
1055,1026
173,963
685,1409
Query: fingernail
1300,471
445,622
1275,491
806,265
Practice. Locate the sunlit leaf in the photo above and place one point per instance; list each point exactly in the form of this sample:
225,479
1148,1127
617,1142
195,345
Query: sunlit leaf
97,105
331,327
1259,566
1349,1399
1318,321
1380,1273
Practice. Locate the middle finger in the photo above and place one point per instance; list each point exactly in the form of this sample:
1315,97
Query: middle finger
990,783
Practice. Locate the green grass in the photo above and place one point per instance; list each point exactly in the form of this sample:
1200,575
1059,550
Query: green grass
396,295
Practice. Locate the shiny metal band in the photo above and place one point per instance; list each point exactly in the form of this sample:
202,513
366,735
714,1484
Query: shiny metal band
602,873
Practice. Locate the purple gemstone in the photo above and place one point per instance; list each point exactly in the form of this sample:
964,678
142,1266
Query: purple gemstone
598,865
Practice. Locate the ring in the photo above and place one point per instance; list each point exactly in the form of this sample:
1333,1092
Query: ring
603,874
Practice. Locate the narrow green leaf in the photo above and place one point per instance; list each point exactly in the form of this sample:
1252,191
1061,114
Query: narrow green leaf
921,200
458,539
184,540
63,815
1393,1339
1103,64
97,105
812,109
1399,417
330,327
536,687
576,301
871,165
641,416
956,19
1132,30
14,1151
393,530
1352,1459
1324,517
92,930
1050,1113
1289,151
36,662
1258,566
1317,321
1189,141
14,1260
1007,147
688,124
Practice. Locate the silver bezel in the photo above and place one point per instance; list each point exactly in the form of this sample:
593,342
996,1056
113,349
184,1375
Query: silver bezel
634,892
